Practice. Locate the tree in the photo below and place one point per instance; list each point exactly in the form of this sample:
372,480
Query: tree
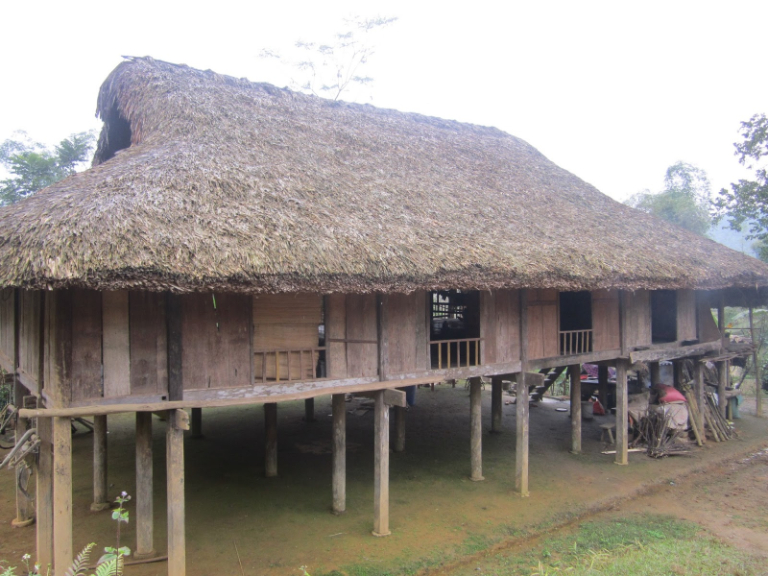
329,69
747,200
34,166
684,200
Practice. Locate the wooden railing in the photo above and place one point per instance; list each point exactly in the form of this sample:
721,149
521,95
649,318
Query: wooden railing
454,353
287,364
575,342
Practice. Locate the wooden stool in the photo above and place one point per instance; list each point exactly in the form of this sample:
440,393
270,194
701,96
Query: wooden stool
608,429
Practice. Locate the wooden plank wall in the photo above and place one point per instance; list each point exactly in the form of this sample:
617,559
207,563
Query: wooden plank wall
6,329
216,341
543,324
116,344
86,344
707,327
638,318
605,320
148,343
500,326
686,315
362,336
406,332
30,339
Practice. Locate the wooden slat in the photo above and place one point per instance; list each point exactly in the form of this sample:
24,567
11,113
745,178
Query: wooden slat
86,344
686,315
605,320
405,332
117,357
335,333
488,326
361,325
148,362
6,329
638,314
30,326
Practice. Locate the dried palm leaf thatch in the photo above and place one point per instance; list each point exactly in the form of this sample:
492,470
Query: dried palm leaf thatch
207,182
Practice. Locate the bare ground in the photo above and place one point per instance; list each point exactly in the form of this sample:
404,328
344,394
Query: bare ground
438,516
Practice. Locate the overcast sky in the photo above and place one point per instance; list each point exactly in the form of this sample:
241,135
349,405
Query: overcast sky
613,91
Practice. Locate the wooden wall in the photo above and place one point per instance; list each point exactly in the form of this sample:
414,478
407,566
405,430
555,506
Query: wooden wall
500,326
638,316
686,315
543,324
216,340
30,339
707,327
86,344
406,333
605,320
6,328
352,335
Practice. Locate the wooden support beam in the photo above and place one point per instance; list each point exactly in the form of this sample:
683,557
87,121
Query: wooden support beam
574,373
622,413
339,458
677,373
521,405
672,352
309,410
62,494
197,423
174,462
399,429
381,467
655,370
602,385
476,429
145,526
391,397
270,428
496,404
100,498
44,494
722,384
758,380
698,392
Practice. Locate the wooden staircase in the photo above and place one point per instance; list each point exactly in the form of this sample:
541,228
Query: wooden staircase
536,393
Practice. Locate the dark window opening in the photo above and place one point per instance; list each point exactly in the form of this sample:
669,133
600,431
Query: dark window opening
575,322
663,316
115,136
454,329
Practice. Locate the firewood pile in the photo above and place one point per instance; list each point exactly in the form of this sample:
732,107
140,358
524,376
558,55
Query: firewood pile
716,426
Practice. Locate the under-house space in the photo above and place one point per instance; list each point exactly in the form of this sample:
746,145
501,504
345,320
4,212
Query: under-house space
575,322
454,329
663,316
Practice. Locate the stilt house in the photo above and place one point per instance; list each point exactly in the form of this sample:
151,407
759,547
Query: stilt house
237,243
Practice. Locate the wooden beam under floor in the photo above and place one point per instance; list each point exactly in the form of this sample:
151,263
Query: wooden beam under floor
100,483
62,494
145,527
178,421
381,466
339,456
476,429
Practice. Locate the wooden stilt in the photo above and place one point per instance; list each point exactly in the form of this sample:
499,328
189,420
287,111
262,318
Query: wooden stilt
62,494
339,480
309,410
622,414
476,429
655,369
574,373
145,526
521,449
270,425
698,393
174,461
496,404
399,429
44,494
197,423
100,499
758,379
380,466
722,383
602,385
677,373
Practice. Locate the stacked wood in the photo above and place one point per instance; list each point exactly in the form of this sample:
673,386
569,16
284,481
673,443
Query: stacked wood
719,427
660,437
693,415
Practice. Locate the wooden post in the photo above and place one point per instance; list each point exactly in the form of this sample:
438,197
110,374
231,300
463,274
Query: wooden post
270,425
655,369
399,429
197,423
602,384
145,526
521,447
476,429
62,494
574,373
698,393
496,404
44,494
173,327
24,514
758,381
722,383
677,373
100,499
174,462
380,466
622,413
309,410
339,465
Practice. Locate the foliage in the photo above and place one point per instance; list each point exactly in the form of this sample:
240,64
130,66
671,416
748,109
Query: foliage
329,69
110,564
34,166
747,200
684,200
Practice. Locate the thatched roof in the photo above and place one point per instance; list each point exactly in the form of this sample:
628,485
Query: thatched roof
206,182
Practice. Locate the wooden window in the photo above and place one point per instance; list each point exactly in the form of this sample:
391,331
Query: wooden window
454,329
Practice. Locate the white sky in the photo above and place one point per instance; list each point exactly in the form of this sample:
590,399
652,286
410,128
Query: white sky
614,91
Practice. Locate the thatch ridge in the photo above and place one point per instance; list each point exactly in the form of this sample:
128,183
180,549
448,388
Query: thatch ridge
207,182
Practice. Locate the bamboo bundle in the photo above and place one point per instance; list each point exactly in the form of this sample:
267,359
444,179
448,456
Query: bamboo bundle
693,415
718,425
